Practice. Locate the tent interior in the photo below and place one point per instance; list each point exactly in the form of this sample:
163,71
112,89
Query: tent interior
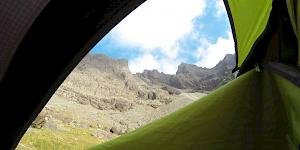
260,109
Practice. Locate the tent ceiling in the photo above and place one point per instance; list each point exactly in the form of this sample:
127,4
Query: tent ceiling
16,18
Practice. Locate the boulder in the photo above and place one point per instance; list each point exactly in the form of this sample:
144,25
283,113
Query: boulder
154,104
98,103
152,95
122,105
141,94
119,130
40,120
102,134
171,90
131,85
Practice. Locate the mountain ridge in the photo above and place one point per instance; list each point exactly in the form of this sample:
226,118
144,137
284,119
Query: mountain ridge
190,76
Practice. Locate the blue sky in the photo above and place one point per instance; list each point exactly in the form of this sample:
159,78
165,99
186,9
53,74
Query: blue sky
160,34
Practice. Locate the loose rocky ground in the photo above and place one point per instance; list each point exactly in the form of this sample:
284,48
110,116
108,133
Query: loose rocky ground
69,125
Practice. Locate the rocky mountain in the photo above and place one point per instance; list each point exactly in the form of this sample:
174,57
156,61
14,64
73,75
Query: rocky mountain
190,76
100,81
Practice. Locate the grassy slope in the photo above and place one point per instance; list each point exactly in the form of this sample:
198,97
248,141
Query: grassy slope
244,114
65,136
73,139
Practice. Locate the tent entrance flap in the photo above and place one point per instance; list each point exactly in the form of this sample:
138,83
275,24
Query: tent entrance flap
249,19
271,39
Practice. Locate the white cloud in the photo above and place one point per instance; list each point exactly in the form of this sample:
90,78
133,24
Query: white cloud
159,24
169,66
210,54
149,62
220,7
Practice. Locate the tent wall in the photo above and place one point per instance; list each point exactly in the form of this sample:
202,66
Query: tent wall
287,80
290,95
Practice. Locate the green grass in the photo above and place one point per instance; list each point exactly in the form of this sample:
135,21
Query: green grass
45,139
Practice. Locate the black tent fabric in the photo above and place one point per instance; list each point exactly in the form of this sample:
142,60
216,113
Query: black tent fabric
41,42
16,19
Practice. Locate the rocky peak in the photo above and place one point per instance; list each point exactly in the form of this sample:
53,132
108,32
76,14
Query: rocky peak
190,69
228,62
103,63
229,58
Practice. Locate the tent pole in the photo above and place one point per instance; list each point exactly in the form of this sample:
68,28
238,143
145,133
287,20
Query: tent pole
298,27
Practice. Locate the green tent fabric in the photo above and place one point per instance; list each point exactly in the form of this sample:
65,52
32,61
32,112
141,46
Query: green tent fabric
291,8
294,14
290,95
247,113
250,18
